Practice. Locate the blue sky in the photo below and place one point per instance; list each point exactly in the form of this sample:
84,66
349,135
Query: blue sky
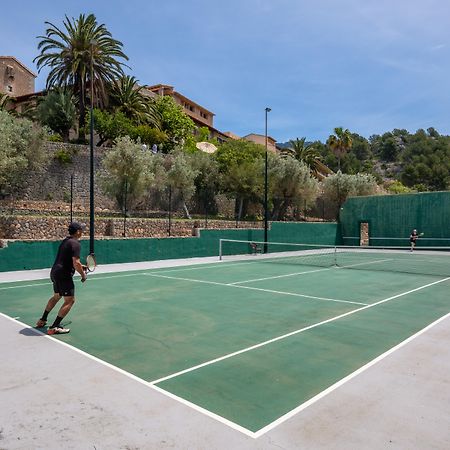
370,66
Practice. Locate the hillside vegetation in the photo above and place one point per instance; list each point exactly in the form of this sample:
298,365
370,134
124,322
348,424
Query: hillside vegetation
399,160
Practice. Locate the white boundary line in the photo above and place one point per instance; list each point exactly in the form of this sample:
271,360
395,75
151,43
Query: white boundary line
90,277
3,288
224,420
140,380
344,380
214,265
292,333
280,276
255,289
312,271
99,276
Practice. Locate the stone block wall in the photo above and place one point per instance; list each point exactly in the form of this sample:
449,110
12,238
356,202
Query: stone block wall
53,228
52,182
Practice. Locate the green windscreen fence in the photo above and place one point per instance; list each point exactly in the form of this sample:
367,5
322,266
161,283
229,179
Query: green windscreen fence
389,219
20,255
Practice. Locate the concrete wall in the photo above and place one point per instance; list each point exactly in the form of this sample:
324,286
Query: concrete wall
20,255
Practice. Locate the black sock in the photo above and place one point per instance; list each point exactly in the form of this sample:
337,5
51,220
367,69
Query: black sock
44,316
57,322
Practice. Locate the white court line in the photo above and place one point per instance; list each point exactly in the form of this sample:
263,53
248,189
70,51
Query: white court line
216,416
99,276
279,276
313,271
90,278
212,265
25,285
344,380
204,411
254,289
230,264
292,333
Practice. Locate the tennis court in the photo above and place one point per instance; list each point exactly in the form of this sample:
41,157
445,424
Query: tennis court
253,340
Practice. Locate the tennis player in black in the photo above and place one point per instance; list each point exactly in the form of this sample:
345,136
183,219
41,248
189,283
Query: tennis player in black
413,238
66,263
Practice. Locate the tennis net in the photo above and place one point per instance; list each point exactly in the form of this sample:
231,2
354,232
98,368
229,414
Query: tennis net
422,261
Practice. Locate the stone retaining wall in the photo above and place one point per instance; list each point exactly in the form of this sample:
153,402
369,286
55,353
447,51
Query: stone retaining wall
60,208
52,182
51,228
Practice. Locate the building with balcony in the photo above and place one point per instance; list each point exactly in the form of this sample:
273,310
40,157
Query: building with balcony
18,82
201,116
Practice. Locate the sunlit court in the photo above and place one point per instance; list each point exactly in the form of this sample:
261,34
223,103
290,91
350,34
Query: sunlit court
252,339
224,225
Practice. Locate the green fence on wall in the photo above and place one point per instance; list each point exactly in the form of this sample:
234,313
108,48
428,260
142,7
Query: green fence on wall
391,218
20,255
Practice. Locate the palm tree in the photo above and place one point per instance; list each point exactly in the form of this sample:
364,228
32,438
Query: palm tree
308,154
71,53
340,143
57,110
126,96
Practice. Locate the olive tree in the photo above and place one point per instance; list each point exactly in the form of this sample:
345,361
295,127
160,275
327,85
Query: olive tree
291,185
127,172
21,150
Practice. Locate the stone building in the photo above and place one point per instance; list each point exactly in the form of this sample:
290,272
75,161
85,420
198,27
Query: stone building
17,81
261,140
15,78
201,116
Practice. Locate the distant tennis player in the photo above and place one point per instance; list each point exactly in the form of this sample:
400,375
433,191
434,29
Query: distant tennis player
66,263
413,238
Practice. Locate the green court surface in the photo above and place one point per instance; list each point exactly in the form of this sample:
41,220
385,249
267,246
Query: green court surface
249,341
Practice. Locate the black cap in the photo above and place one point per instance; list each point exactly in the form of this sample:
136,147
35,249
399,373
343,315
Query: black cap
75,226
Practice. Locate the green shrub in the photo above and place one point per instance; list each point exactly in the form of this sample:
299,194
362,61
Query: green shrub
66,196
55,137
63,156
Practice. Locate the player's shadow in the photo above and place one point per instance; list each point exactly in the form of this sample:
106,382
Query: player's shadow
31,332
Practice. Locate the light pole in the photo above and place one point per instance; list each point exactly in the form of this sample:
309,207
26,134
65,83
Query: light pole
266,212
91,157
71,197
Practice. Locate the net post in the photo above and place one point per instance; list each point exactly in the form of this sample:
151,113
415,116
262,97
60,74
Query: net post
335,255
220,249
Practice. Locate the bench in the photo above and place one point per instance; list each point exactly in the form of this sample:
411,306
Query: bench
256,248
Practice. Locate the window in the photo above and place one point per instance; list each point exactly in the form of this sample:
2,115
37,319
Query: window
10,72
9,88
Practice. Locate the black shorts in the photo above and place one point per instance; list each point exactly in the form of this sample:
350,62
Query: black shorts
63,285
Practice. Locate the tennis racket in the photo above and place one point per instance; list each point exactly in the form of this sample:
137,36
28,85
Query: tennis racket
91,264
421,234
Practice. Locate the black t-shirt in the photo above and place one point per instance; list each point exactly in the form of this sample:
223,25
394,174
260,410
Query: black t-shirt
63,264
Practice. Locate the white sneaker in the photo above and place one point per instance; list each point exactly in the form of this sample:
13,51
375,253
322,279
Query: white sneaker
58,330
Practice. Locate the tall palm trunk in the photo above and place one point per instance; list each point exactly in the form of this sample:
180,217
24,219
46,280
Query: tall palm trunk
82,110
